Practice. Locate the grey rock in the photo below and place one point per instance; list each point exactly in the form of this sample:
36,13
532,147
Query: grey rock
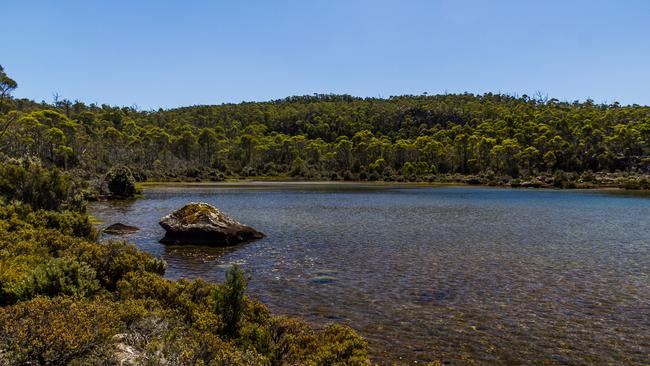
203,224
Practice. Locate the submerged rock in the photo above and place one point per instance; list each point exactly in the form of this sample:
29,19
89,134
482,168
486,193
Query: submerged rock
323,280
120,229
202,223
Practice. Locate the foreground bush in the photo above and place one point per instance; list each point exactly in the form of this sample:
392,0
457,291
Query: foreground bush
69,300
229,300
58,276
114,259
57,331
17,215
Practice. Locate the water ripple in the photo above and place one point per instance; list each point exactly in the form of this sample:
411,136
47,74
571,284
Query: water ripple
464,275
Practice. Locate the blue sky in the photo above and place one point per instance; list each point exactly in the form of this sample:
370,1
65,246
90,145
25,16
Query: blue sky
172,53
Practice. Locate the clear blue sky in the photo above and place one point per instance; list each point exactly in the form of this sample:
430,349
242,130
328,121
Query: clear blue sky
172,53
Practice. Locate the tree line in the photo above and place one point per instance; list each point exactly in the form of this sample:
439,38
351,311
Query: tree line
409,137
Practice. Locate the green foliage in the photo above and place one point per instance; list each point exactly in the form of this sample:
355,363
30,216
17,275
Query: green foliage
327,136
113,260
189,298
296,343
26,180
55,331
183,322
19,217
639,183
58,276
181,345
7,85
229,300
120,181
339,345
67,222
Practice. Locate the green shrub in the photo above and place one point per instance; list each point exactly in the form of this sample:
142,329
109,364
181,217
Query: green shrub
339,345
66,222
256,336
120,181
146,285
183,296
17,215
26,180
587,177
55,331
363,175
183,345
634,184
58,276
229,300
295,343
113,259
560,179
216,176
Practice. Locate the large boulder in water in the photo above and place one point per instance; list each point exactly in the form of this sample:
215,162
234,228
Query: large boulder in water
202,223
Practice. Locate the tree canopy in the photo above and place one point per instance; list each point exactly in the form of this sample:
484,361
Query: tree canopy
338,136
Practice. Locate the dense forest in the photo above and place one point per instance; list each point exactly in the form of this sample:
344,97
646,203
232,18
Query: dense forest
490,138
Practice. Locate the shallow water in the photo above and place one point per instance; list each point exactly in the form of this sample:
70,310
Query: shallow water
464,275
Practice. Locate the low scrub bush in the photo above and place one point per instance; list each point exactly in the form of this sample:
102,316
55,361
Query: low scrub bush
26,180
57,331
58,276
113,259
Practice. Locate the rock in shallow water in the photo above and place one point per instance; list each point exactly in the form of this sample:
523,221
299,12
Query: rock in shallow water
203,224
120,229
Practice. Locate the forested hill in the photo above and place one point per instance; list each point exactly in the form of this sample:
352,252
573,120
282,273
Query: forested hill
337,137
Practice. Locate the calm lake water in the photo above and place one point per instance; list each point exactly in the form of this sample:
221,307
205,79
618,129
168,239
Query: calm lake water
460,274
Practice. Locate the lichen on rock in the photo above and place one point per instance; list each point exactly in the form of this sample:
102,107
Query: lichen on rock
204,224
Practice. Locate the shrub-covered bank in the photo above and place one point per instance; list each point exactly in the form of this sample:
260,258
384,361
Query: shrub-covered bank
66,299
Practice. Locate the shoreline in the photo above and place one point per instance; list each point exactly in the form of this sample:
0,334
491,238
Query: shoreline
285,181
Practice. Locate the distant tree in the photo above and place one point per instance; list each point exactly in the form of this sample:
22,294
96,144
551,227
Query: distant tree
120,181
7,85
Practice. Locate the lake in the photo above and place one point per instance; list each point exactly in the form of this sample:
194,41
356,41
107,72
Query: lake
461,274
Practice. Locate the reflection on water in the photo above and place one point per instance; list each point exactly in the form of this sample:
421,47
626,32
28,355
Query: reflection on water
465,275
